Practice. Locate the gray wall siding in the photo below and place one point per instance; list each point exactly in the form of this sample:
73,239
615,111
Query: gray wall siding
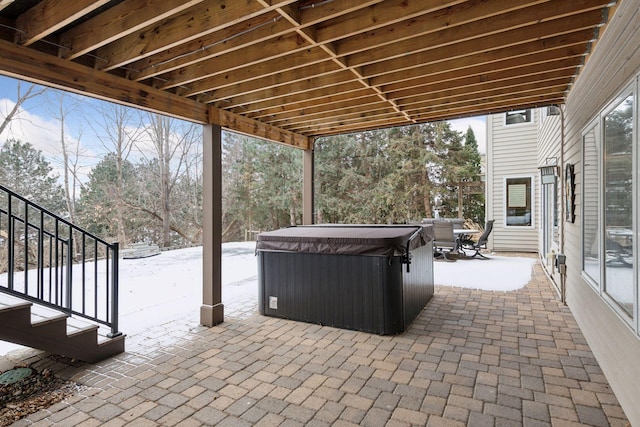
511,152
612,65
549,146
549,138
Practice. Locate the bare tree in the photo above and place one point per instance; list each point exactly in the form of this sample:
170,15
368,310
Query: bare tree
193,194
173,142
61,107
117,133
31,92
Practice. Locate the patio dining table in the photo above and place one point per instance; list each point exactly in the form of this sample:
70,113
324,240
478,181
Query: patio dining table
462,235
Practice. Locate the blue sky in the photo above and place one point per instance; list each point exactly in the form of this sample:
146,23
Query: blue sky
37,124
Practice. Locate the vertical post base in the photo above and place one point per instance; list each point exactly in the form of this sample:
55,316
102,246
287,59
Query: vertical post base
211,315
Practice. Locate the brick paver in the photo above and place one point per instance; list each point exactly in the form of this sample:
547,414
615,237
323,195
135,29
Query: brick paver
472,357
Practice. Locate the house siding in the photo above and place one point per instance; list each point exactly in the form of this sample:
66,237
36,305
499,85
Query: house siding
511,152
549,139
612,65
549,147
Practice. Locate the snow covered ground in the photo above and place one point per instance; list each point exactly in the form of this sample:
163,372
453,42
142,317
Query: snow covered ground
161,288
498,273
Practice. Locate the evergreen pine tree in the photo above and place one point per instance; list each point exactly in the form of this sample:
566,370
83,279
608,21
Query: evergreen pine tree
99,197
474,203
25,171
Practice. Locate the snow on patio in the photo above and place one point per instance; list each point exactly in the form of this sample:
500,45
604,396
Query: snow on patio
161,288
498,273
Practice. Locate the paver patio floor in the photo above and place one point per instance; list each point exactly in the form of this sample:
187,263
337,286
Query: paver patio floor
476,358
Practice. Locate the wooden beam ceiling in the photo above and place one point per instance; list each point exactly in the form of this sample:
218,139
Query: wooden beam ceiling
47,17
292,70
18,61
118,22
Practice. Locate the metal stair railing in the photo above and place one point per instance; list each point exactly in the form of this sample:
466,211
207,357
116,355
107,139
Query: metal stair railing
48,260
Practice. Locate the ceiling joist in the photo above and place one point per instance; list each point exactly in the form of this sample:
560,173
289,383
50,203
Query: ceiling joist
292,70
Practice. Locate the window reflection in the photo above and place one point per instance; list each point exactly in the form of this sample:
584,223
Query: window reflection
517,116
591,246
618,201
519,207
556,213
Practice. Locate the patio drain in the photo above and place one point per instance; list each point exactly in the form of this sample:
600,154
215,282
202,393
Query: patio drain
14,375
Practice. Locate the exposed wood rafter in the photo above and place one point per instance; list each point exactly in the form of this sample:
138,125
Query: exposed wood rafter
293,70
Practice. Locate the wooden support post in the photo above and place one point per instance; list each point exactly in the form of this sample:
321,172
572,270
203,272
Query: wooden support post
212,310
307,186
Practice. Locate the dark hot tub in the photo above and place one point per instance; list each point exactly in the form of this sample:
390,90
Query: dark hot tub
363,277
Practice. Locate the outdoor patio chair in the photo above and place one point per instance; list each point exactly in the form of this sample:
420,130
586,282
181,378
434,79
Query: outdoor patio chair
457,223
480,244
616,254
444,242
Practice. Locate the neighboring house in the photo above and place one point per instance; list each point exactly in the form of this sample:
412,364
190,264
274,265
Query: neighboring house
526,212
591,213
512,180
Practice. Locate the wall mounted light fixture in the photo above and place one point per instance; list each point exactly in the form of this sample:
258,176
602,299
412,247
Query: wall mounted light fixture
549,171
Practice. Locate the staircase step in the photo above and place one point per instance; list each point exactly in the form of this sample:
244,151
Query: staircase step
17,306
89,329
8,302
16,312
39,321
110,347
75,324
50,330
45,320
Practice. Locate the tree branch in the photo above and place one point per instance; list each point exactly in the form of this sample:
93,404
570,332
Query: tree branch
157,217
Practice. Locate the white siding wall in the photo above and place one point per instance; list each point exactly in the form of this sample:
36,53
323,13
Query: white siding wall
511,152
549,144
549,138
613,63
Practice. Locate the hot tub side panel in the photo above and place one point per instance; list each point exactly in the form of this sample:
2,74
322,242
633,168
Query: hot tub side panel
362,293
417,285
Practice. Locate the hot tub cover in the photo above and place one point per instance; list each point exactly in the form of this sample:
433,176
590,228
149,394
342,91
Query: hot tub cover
346,239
